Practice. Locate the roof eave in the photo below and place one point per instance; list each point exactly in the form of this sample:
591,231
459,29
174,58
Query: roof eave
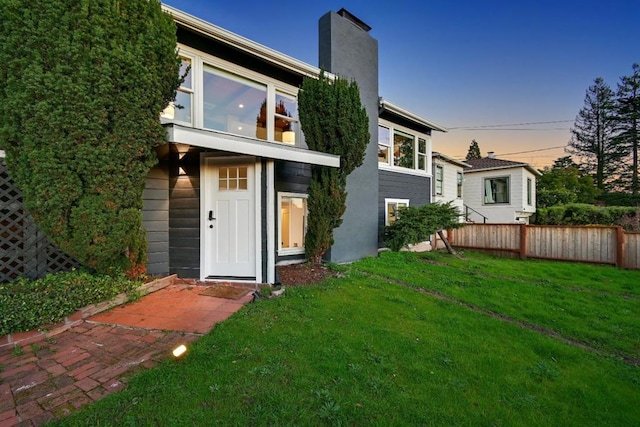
241,43
392,108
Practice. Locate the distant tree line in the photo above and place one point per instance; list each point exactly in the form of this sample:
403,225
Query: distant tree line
606,135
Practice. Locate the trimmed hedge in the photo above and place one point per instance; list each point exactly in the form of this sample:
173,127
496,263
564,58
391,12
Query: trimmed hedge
28,304
583,214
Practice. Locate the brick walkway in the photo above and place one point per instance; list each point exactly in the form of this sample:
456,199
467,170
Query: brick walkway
54,376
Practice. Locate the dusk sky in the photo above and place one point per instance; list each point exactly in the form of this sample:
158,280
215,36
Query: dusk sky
510,74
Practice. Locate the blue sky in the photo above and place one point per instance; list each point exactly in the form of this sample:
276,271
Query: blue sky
467,64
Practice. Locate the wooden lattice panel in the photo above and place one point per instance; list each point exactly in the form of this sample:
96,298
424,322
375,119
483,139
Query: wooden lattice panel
24,248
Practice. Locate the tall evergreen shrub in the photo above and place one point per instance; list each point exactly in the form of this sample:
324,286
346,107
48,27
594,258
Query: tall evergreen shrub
334,121
82,83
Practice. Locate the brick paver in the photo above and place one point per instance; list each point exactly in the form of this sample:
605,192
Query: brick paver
52,377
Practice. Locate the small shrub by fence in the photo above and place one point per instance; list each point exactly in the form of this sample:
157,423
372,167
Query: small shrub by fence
24,248
592,244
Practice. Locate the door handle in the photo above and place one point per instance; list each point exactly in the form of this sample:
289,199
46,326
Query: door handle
211,218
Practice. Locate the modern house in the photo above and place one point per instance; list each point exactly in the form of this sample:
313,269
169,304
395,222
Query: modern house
227,200
500,191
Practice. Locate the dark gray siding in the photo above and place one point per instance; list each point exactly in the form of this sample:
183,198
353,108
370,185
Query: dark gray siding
290,177
349,51
393,185
184,220
155,219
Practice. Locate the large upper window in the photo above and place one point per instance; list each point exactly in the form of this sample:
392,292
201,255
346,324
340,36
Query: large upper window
233,104
402,148
222,96
181,109
496,190
293,223
439,179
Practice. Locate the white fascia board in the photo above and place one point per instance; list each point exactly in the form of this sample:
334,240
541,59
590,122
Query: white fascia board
527,166
386,105
234,144
451,160
242,43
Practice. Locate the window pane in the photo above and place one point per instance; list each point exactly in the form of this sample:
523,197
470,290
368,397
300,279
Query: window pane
422,162
285,130
293,214
459,184
403,147
233,104
287,105
383,154
187,79
439,178
422,146
496,190
383,135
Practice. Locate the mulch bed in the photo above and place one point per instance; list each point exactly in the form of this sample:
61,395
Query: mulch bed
303,274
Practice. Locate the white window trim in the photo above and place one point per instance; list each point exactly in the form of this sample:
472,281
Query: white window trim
387,202
198,61
484,181
289,251
417,135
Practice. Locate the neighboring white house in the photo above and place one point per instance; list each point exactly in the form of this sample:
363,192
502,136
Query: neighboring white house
448,178
499,191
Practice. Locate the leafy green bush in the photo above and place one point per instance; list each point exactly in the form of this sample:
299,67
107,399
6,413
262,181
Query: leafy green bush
417,224
27,304
583,214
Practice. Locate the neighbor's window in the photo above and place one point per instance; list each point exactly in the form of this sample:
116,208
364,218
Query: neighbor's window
496,190
439,179
459,185
234,104
529,191
181,108
384,144
293,222
393,208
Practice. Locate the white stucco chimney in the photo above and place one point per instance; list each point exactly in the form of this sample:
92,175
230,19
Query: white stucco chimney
491,155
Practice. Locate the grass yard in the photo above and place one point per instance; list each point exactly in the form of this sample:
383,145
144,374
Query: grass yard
373,349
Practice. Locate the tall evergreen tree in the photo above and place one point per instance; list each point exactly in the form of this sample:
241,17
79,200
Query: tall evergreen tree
628,120
82,84
593,134
474,151
334,121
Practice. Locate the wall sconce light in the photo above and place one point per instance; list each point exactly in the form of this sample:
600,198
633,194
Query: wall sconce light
289,137
179,350
181,171
183,149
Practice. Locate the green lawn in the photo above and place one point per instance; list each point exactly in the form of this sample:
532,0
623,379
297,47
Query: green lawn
367,350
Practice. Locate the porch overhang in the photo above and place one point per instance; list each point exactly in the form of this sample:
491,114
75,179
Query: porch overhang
254,147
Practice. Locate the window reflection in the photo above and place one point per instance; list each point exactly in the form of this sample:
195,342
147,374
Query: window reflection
232,104
403,148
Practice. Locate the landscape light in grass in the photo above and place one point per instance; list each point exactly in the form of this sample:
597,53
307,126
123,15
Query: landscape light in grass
179,350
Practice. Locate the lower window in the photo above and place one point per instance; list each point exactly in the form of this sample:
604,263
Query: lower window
292,223
393,207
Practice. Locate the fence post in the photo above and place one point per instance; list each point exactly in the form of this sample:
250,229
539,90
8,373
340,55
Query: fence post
523,241
620,252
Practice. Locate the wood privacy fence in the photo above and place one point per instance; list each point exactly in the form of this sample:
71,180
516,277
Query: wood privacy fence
24,248
592,244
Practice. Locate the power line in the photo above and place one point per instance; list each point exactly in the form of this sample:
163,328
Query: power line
532,151
511,129
511,124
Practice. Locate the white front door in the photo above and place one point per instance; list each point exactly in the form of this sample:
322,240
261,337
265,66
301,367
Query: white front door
229,220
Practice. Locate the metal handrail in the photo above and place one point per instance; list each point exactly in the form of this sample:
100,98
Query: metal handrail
466,214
